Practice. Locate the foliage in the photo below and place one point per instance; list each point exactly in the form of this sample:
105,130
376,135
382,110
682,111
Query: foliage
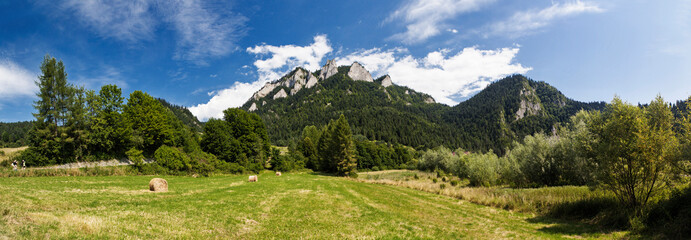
15,134
184,115
59,130
172,158
634,150
150,123
239,138
135,156
109,133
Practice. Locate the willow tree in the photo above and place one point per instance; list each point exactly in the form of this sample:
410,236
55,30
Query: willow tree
634,150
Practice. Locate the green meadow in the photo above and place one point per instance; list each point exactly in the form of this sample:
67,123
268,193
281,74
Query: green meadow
300,205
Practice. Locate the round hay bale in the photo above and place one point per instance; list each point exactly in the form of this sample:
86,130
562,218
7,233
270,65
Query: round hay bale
278,173
253,178
158,185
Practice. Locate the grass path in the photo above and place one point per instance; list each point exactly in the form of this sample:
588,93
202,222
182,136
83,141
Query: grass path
287,207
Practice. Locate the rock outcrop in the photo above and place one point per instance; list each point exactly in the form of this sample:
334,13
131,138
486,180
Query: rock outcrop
280,94
265,90
328,70
530,104
311,81
386,82
429,100
253,107
359,73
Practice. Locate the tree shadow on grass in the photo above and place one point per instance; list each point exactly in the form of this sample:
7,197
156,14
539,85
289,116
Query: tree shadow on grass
589,217
572,227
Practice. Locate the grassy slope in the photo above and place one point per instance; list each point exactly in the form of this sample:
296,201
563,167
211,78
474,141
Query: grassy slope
287,207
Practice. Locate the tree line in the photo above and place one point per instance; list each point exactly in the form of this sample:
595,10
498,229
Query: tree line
636,152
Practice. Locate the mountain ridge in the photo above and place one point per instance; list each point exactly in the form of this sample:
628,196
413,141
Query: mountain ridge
506,110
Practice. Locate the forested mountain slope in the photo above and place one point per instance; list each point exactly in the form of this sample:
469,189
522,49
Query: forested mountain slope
506,110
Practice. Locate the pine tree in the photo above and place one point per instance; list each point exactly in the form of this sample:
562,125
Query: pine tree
344,149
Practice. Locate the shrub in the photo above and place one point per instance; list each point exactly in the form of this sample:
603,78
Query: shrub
135,156
442,186
172,158
375,168
434,180
2,153
416,177
454,182
443,179
32,157
483,169
352,174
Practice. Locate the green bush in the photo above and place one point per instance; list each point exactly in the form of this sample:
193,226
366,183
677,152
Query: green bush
442,186
32,157
434,180
454,182
483,169
416,177
135,156
172,158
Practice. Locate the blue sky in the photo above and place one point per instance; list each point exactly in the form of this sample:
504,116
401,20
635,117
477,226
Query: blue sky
210,55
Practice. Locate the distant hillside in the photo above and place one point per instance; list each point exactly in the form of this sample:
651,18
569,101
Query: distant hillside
506,110
14,134
184,115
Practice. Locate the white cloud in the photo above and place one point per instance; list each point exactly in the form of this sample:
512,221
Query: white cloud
285,58
425,18
526,22
202,31
16,81
129,21
282,60
443,75
234,96
446,77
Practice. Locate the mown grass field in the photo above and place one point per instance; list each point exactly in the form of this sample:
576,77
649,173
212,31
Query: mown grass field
291,206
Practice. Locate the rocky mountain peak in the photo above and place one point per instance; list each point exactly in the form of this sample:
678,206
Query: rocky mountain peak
359,73
328,70
386,82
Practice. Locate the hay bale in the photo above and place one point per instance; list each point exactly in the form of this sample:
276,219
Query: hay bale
278,173
158,185
253,178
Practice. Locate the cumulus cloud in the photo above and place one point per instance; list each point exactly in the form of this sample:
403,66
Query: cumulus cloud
234,96
526,22
282,60
426,18
445,76
202,31
285,58
16,81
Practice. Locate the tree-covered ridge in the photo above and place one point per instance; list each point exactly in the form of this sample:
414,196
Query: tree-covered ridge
369,107
184,115
488,121
14,134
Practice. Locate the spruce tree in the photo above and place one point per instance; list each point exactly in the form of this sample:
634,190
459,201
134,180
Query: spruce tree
344,149
57,132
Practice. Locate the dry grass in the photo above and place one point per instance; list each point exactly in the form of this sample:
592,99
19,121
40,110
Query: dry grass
532,200
10,152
